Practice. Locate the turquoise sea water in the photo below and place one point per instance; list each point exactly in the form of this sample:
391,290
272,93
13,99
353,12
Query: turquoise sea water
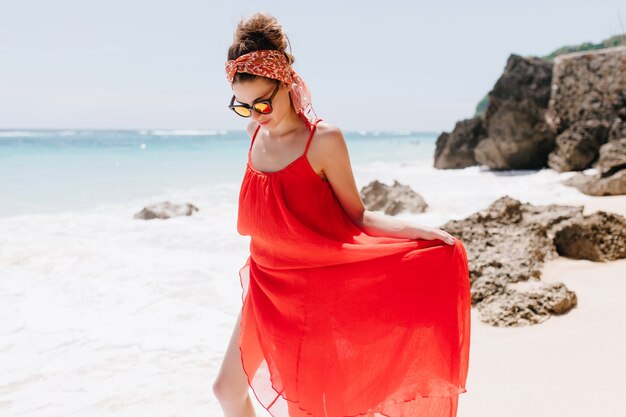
50,170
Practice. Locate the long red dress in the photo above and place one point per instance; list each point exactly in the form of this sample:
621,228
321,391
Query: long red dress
339,323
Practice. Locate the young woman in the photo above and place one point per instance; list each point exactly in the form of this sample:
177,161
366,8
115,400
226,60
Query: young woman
346,312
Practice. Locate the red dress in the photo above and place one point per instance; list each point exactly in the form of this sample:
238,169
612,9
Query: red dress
339,323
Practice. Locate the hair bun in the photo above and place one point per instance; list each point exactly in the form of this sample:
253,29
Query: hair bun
259,31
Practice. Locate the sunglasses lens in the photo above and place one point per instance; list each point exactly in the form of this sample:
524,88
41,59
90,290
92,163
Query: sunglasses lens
242,111
263,108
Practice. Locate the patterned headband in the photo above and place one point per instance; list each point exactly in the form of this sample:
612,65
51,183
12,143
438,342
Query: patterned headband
273,64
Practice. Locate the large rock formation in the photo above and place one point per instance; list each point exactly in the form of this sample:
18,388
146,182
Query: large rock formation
517,134
588,85
587,108
550,113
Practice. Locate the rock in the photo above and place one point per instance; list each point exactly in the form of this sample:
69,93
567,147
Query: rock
579,180
517,134
526,303
456,149
617,130
578,145
508,220
597,185
491,231
392,199
510,241
612,157
550,216
599,237
588,85
165,210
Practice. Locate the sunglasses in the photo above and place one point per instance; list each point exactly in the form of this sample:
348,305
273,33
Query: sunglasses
261,106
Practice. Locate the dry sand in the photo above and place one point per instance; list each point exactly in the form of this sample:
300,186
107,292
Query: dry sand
572,365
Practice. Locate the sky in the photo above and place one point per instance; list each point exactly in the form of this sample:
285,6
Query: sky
370,65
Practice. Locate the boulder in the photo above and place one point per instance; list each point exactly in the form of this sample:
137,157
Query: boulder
456,149
598,237
392,199
526,303
578,145
597,185
612,157
165,210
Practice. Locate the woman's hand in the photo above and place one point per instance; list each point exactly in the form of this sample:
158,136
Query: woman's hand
378,224
430,233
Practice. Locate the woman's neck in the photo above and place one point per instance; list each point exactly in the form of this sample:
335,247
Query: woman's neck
291,124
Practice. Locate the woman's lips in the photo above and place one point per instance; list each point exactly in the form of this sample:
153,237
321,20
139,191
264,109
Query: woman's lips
264,122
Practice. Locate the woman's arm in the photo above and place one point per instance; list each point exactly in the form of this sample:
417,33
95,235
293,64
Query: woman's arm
378,224
332,151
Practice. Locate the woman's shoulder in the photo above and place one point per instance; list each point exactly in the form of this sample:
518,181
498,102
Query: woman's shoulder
327,143
327,133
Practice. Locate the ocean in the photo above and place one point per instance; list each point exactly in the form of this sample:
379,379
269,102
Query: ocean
102,314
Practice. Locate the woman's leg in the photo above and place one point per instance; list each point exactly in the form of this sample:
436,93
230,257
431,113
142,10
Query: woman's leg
231,385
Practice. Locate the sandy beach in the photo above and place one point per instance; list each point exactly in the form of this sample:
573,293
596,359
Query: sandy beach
571,365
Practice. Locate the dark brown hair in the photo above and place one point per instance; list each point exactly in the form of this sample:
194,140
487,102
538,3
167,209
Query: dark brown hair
259,31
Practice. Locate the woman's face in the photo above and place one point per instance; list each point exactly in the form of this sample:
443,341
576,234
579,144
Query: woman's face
247,92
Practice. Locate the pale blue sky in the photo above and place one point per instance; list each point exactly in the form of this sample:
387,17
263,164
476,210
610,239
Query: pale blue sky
160,64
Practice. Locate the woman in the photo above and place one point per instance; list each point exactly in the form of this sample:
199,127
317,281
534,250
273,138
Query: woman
345,312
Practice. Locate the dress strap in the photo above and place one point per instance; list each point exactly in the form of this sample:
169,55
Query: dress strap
313,127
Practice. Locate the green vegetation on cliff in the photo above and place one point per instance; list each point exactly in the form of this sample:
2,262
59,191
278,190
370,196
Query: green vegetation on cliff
617,40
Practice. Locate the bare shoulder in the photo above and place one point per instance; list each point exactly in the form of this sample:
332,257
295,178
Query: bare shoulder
327,132
328,140
327,146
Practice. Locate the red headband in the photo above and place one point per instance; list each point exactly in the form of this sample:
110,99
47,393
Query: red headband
273,64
